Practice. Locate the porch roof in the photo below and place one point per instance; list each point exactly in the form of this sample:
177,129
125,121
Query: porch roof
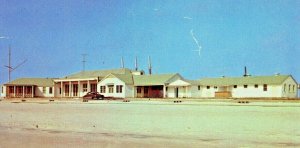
44,82
151,80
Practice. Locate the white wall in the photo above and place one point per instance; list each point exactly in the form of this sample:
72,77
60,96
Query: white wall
39,92
183,92
116,82
2,91
289,92
207,93
251,91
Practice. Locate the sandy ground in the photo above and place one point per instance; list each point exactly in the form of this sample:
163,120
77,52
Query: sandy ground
150,124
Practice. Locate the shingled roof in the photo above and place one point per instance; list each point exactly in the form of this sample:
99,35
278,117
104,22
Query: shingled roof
156,79
96,73
43,82
226,81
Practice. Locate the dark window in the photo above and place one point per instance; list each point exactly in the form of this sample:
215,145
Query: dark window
59,90
293,88
265,87
199,87
84,87
119,88
44,90
208,87
256,86
245,86
102,89
50,90
234,86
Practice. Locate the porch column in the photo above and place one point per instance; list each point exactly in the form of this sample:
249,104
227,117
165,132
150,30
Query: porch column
186,90
88,86
32,91
23,92
61,89
164,92
14,91
69,88
78,89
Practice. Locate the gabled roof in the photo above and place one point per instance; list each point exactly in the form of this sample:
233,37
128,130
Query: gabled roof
226,81
154,79
43,82
126,78
96,73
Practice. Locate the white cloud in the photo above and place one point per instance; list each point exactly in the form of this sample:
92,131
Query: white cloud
189,18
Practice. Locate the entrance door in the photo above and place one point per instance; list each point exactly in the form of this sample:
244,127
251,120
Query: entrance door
176,92
146,92
75,90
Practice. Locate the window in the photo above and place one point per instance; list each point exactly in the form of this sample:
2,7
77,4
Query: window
207,87
102,89
265,87
293,88
255,86
245,86
289,87
234,86
119,88
84,87
44,90
199,87
2,89
110,88
60,90
50,90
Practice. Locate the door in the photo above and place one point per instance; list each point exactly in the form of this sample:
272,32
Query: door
176,92
75,90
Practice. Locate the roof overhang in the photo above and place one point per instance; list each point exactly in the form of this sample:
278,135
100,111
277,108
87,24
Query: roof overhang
75,79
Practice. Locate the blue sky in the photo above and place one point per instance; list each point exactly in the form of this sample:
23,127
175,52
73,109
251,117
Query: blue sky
263,35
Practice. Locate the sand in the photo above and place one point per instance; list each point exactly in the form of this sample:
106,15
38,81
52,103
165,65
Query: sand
150,124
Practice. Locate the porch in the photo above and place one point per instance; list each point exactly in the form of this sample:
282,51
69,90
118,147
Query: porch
20,91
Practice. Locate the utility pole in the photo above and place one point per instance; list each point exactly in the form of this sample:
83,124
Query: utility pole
83,61
10,68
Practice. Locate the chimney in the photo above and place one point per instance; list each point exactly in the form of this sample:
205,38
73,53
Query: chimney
149,65
136,64
245,72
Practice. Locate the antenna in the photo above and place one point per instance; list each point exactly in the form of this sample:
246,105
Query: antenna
83,61
122,62
136,64
149,65
10,68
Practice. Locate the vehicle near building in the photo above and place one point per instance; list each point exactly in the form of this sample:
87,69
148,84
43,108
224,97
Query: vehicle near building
93,96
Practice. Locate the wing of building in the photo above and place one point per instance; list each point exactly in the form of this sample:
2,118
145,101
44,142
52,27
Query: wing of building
29,88
278,86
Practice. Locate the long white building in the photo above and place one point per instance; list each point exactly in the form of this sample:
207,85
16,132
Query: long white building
126,83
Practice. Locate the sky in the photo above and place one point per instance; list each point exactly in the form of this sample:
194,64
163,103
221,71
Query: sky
205,38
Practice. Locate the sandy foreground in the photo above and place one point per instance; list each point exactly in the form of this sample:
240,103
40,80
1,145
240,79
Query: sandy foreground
149,124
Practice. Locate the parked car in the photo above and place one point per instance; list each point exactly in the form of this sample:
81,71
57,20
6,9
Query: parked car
93,95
